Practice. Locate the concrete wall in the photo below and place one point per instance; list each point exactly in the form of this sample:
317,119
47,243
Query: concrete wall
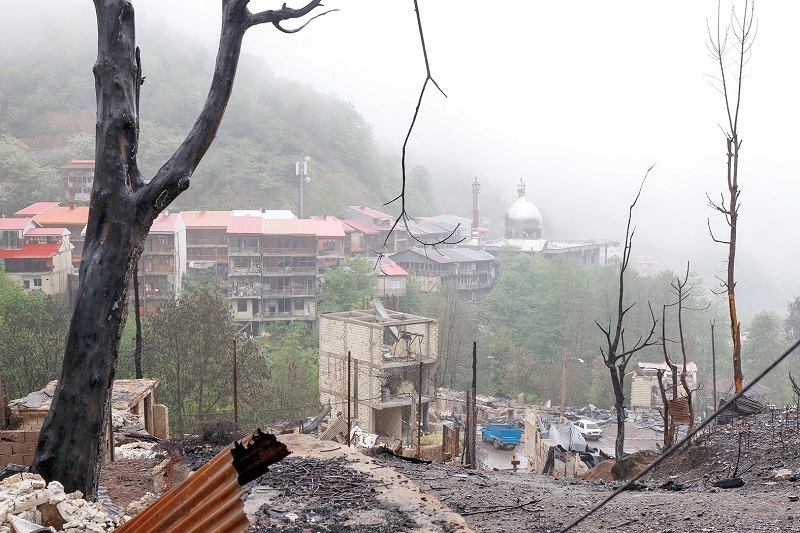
18,446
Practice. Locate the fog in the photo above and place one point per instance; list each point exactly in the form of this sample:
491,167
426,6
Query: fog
578,99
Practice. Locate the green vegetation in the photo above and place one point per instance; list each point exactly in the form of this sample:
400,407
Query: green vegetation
33,329
351,286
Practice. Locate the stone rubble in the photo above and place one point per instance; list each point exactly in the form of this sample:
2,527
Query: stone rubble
28,498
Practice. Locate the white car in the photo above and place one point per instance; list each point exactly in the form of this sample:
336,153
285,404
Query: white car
589,429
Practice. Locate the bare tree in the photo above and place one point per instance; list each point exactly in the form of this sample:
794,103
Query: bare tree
616,355
122,208
741,32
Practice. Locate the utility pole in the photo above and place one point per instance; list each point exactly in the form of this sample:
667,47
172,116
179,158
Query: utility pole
301,171
714,364
235,387
349,421
564,383
472,413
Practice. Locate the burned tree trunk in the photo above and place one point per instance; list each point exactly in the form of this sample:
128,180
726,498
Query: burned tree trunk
122,208
743,35
615,355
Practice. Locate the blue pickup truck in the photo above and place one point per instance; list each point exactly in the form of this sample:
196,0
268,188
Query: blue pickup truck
501,435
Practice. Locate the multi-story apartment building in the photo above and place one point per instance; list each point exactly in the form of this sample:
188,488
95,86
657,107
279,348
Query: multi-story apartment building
53,215
37,258
333,240
78,180
207,243
163,262
473,272
272,269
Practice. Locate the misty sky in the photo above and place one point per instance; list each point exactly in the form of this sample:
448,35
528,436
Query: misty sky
578,99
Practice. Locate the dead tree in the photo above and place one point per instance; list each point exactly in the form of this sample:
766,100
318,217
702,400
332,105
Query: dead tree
742,33
682,293
616,355
122,208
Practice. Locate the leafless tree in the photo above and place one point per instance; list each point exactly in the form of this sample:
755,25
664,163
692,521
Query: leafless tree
616,355
730,49
122,209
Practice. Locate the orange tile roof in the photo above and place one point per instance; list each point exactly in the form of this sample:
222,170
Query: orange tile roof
63,215
290,227
15,224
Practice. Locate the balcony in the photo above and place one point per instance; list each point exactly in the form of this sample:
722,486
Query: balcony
291,251
244,250
290,271
244,271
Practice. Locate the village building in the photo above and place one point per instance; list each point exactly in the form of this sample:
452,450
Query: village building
373,232
645,391
472,272
163,262
392,358
272,269
52,215
78,179
37,258
392,279
207,244
131,399
334,240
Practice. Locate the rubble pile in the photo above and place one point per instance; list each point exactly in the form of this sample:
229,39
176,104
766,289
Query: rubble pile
26,500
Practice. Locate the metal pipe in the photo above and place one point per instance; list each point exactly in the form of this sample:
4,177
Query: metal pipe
419,413
348,398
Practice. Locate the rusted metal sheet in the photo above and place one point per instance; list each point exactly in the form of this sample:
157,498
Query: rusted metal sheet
208,500
679,411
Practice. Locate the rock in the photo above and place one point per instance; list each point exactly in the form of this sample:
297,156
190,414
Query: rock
781,474
629,466
729,483
602,471
22,525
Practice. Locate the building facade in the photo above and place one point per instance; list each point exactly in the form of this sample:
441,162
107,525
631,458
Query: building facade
78,179
163,262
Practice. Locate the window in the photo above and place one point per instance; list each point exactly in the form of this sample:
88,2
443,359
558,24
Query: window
26,283
241,306
298,305
395,283
37,282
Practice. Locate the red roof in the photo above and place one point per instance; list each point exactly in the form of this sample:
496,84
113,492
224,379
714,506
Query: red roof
80,163
48,232
369,211
248,224
291,227
31,251
15,224
166,223
35,209
360,226
66,215
330,228
206,219
390,268
356,248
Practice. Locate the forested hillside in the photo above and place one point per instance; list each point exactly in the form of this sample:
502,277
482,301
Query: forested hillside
47,103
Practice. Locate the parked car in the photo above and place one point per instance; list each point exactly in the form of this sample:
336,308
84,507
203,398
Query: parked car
589,429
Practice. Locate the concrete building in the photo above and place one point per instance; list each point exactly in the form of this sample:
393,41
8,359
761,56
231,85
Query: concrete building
392,279
207,243
473,272
334,240
272,269
39,259
72,217
163,262
78,180
390,358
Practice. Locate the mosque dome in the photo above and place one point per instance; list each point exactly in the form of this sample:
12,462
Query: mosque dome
523,219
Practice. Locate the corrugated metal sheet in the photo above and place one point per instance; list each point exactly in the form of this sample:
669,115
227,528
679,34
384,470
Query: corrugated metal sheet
679,411
208,500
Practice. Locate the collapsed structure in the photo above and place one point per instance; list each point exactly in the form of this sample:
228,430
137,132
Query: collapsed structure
392,361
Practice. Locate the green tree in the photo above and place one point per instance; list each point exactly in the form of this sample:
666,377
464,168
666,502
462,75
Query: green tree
188,346
763,341
791,326
33,328
23,181
351,286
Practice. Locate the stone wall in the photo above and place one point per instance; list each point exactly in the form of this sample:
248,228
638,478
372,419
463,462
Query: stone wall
18,446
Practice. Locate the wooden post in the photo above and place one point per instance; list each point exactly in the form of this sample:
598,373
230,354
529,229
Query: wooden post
564,383
235,387
349,421
473,414
465,458
419,413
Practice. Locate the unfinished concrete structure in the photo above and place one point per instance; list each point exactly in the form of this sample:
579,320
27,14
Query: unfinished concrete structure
393,361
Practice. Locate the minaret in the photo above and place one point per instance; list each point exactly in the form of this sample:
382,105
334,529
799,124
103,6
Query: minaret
476,221
521,188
